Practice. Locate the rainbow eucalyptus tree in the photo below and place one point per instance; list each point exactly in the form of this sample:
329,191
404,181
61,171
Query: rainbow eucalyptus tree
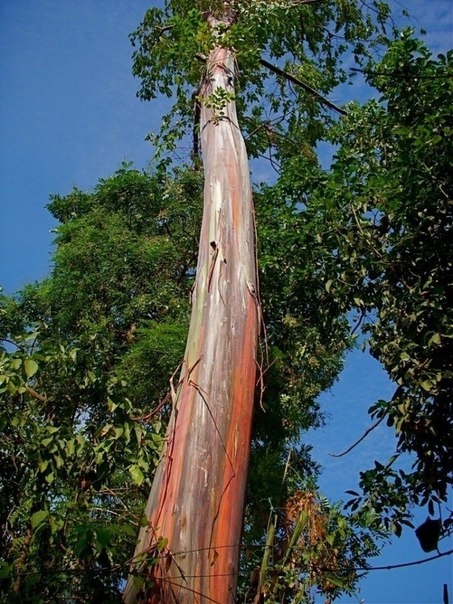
195,504
218,60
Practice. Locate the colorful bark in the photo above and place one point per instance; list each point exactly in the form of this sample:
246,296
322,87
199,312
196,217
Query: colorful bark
196,502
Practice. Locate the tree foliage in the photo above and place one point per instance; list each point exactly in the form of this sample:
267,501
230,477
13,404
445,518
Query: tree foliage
174,58
86,361
381,218
307,39
88,354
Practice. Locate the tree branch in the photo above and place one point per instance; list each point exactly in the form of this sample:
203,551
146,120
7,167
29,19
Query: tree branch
402,74
370,429
357,442
303,85
35,394
405,564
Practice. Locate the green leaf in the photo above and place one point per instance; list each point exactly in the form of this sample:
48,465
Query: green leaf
329,285
16,363
59,462
5,570
111,405
340,583
42,464
49,478
38,518
55,524
70,447
31,367
103,538
136,474
128,529
426,385
330,538
138,582
435,339
162,543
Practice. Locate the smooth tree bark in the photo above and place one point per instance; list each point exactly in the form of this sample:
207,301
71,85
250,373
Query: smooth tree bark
189,549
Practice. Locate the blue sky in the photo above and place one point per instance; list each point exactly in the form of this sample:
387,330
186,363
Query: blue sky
69,116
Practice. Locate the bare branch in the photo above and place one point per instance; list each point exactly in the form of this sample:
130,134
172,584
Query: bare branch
35,394
357,442
415,563
397,392
303,85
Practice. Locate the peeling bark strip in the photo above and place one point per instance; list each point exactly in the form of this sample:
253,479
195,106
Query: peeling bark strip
196,502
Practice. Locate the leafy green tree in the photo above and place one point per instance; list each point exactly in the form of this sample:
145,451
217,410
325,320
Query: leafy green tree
100,340
381,220
86,359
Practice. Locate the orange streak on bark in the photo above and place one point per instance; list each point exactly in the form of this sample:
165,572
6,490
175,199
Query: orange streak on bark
230,514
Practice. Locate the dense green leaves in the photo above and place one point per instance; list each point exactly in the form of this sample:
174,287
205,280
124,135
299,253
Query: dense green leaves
382,217
90,352
61,471
306,39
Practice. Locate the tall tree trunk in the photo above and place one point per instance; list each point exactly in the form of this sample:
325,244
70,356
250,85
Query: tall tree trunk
197,498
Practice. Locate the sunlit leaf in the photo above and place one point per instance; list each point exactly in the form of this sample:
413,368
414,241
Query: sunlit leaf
31,367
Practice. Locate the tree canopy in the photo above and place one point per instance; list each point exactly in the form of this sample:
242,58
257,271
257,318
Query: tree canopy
389,195
380,218
305,39
87,357
86,362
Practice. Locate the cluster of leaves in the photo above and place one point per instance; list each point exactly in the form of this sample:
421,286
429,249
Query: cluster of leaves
92,348
302,352
306,332
65,480
381,219
310,547
308,544
307,39
86,355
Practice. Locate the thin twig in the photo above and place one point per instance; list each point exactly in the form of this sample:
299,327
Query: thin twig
371,428
35,394
405,564
169,396
357,442
402,74
359,321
